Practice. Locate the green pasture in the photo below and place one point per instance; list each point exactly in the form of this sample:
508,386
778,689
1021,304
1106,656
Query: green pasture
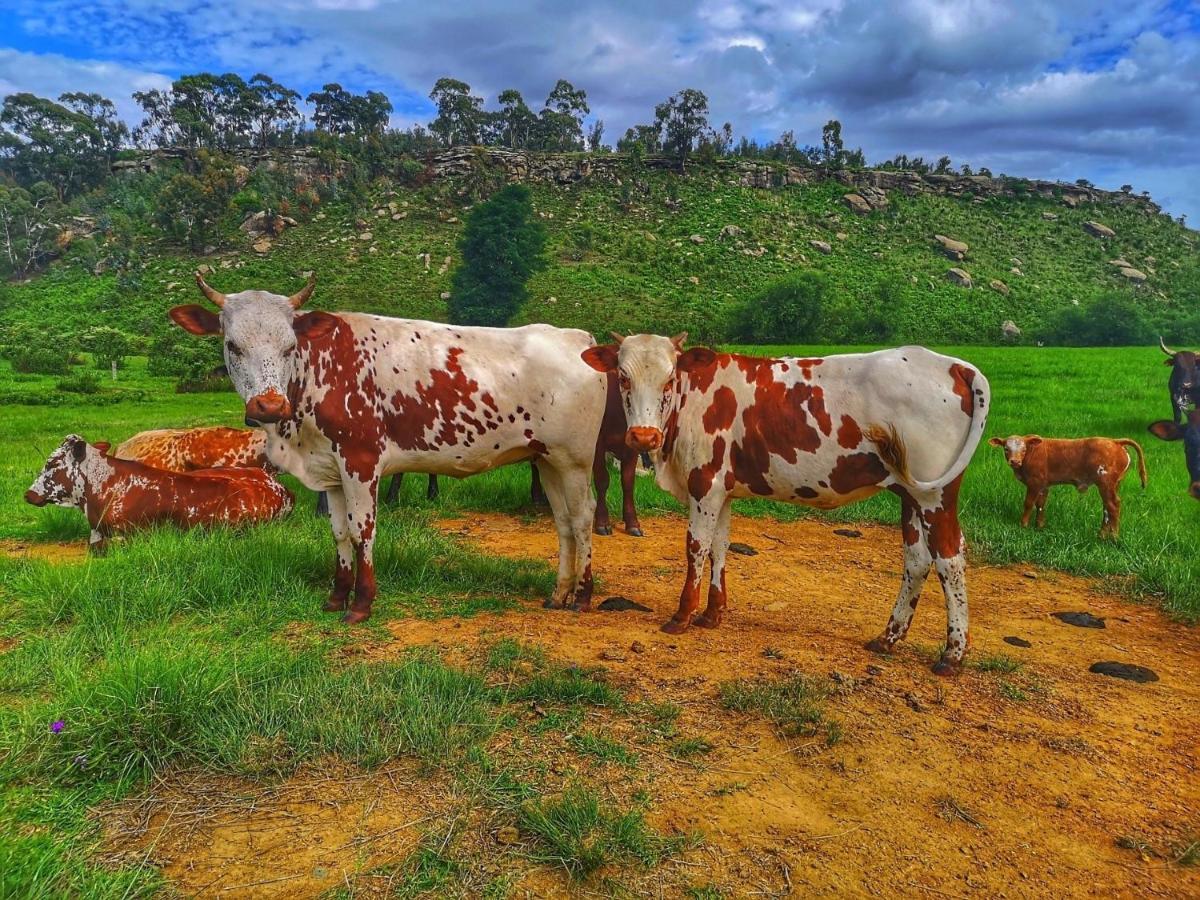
173,651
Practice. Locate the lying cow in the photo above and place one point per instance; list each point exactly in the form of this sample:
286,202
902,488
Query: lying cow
1189,433
1039,463
119,495
346,399
819,432
1184,383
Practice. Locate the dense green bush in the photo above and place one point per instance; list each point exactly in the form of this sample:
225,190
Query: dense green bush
1111,319
502,246
192,360
107,346
786,310
83,382
40,360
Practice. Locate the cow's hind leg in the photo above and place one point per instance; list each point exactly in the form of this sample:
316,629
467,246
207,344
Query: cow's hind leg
602,525
343,573
431,489
717,596
393,492
564,585
702,526
944,536
917,562
628,506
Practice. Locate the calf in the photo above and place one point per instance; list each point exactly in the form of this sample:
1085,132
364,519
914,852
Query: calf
818,432
1041,462
1184,382
1189,433
119,495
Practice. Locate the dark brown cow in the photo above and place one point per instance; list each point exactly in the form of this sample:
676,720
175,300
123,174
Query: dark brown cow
1184,383
119,495
819,432
612,440
1039,463
1189,433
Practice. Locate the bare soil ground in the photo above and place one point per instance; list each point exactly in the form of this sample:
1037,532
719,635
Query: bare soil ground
1043,781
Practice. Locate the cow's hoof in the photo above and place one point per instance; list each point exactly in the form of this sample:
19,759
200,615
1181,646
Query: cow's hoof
552,603
577,606
353,617
674,627
948,668
334,604
604,530
634,531
878,645
704,621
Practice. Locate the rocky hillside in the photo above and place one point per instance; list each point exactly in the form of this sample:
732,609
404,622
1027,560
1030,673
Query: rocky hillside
635,246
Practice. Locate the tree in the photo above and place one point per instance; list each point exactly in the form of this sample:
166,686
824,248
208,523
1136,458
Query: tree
645,137
683,121
190,207
273,110
515,122
459,114
199,112
110,131
26,231
595,138
47,142
502,246
943,166
560,123
831,143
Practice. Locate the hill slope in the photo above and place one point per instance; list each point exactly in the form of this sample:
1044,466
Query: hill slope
669,253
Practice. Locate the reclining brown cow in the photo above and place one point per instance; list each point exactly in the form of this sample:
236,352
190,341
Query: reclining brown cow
1039,463
119,495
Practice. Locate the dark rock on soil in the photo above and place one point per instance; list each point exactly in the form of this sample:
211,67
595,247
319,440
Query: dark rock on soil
1017,642
743,549
623,604
847,532
1127,671
1079,619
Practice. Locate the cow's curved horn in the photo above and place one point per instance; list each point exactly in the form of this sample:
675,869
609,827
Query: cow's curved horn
616,337
679,340
216,297
301,297
1165,349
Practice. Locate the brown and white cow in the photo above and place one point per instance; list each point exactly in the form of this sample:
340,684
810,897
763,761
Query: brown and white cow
120,495
1040,463
188,449
346,399
819,432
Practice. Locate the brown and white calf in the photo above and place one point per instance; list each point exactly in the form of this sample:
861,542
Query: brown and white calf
1040,463
120,495
819,432
348,398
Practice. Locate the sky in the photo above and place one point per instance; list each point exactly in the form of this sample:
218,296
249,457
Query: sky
1059,89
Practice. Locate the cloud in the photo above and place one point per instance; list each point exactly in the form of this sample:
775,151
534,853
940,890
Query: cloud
1056,88
49,74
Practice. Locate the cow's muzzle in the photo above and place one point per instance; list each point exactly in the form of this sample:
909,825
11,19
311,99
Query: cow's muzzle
643,439
34,498
267,408
1194,490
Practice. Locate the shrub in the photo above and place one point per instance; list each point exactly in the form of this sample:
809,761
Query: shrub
51,360
84,382
1106,320
191,360
502,246
107,345
785,311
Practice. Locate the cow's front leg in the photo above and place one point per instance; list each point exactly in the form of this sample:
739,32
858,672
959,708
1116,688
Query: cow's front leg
1031,496
601,525
343,573
702,525
431,489
393,491
917,562
564,585
580,512
714,612
633,527
360,521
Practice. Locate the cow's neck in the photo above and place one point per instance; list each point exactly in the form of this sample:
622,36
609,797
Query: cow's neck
99,475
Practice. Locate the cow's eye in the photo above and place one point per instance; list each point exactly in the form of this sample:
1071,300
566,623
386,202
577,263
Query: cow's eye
234,348
290,348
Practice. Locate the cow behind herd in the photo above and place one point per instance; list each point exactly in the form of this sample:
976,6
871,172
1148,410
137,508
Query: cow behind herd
341,401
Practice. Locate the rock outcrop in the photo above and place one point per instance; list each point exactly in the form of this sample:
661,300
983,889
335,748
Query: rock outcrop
1096,229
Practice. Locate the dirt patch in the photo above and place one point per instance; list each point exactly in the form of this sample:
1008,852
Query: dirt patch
59,553
1052,763
317,831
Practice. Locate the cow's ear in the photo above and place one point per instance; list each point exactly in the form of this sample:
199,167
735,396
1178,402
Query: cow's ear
103,447
196,319
314,325
602,358
79,450
1169,361
1166,430
696,358
1032,441
997,442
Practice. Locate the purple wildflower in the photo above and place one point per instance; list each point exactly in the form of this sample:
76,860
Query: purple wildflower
57,726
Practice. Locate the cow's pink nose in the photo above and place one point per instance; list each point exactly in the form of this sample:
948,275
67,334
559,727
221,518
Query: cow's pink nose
639,437
268,407
32,496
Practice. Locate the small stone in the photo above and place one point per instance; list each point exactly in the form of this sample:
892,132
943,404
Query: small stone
777,606
1126,671
1098,230
874,670
1017,642
1032,576
998,286
1079,619
694,279
841,235
612,655
822,246
507,835
205,269
1135,275
914,702
742,549
262,245
637,647
696,238
396,217
366,236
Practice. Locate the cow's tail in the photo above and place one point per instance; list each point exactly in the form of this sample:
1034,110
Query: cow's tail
1127,442
894,453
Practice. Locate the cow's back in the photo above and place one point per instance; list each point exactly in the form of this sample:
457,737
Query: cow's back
187,449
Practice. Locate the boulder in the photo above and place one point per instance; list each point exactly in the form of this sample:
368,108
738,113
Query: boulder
1050,217
1097,230
262,245
1015,271
366,236
396,217
999,286
955,250
1009,330
730,231
1070,200
1120,263
841,235
960,277
696,238
858,203
1134,275
822,246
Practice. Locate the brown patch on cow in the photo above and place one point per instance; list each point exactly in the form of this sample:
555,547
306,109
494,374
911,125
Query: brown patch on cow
701,478
963,379
941,525
849,435
857,471
723,410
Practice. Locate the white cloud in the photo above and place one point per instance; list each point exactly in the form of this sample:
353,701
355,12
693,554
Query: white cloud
48,75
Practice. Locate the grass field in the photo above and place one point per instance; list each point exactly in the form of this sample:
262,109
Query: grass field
173,651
